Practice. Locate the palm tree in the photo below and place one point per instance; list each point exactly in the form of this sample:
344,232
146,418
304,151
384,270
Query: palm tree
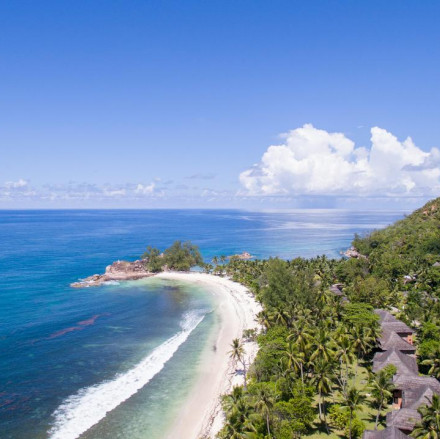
264,320
344,354
322,379
239,431
264,404
434,362
295,359
280,316
363,339
237,354
429,426
207,268
321,346
233,398
240,416
353,398
300,333
382,388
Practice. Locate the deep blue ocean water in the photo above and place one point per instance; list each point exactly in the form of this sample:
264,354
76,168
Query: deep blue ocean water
58,345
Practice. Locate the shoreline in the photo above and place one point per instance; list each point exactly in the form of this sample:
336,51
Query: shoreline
201,415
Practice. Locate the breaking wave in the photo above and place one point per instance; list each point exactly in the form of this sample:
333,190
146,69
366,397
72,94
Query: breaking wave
88,406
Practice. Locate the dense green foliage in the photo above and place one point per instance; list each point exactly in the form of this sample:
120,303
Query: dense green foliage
309,351
181,256
403,260
154,260
314,343
429,426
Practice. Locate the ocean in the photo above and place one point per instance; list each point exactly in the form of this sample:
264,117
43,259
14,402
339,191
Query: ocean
116,361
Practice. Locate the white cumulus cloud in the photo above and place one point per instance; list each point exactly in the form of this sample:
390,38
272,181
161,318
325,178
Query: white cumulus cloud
19,184
114,192
315,162
145,189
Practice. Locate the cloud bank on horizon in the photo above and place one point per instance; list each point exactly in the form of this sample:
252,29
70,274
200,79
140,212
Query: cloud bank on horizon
314,162
311,167
22,189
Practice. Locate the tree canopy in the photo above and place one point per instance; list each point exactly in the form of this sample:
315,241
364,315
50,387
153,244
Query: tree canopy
181,256
314,343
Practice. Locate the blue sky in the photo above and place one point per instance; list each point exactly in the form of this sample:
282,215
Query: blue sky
177,104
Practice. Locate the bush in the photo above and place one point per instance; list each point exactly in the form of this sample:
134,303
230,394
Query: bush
154,261
250,334
289,429
357,428
340,419
338,416
296,409
182,256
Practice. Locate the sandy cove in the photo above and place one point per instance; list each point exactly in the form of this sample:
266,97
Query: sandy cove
201,416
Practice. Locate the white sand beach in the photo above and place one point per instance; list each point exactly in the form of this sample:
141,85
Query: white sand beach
201,416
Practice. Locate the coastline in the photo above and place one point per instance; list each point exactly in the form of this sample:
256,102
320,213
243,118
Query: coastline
201,415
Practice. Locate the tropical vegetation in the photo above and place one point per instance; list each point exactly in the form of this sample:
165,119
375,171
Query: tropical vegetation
181,256
312,375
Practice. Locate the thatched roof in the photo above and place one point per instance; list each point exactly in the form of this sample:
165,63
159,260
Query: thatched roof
390,323
390,340
387,433
410,381
403,419
336,290
405,364
414,398
385,316
399,327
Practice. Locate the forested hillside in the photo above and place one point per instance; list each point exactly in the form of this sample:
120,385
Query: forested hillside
313,373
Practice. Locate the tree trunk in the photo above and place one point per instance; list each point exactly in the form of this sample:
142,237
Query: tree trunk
325,416
244,374
267,423
378,414
302,376
340,369
320,407
349,431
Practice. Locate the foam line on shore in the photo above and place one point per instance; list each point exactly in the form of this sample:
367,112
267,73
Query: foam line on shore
88,406
201,413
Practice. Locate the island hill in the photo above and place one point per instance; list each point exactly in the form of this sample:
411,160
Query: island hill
181,256
350,347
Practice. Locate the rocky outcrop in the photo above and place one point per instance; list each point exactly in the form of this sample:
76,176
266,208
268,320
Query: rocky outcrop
353,253
119,270
243,256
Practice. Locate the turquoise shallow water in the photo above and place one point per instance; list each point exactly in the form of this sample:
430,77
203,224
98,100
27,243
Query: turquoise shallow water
57,343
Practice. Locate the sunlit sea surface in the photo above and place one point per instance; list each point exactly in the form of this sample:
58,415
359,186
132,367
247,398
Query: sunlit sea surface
116,361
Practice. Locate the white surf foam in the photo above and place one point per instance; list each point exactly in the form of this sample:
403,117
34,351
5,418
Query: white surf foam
111,282
86,408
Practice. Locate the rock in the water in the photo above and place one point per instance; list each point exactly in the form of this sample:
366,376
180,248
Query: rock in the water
119,270
353,253
243,256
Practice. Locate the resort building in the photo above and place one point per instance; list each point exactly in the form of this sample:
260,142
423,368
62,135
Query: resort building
387,433
392,340
410,389
389,323
336,289
405,364
403,419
